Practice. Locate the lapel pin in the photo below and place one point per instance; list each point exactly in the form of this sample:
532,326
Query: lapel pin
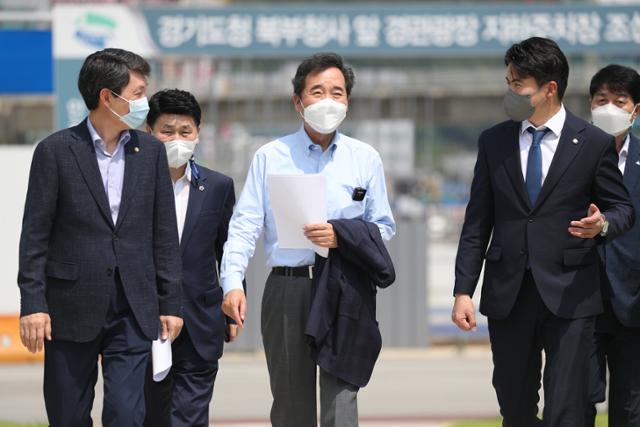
136,149
638,162
201,188
575,140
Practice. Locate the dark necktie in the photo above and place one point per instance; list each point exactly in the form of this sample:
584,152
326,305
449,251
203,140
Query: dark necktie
534,164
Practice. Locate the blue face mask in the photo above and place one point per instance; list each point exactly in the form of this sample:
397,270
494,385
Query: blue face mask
138,109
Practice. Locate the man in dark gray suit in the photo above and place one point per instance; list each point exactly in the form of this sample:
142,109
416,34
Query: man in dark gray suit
615,105
98,274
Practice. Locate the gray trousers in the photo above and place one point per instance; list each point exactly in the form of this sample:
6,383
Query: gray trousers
292,372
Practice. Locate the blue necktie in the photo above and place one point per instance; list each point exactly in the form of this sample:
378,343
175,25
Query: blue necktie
534,164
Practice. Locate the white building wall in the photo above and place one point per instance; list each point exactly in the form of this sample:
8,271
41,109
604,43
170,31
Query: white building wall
14,175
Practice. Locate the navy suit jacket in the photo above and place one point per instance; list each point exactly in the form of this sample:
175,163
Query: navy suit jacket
622,256
342,330
209,210
566,269
70,248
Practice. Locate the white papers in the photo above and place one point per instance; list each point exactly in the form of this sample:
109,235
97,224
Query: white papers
297,200
160,358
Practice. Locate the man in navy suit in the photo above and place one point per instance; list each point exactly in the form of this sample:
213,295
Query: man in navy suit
204,202
546,190
98,274
615,105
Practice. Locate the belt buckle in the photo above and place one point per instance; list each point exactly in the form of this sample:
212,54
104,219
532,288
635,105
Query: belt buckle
310,271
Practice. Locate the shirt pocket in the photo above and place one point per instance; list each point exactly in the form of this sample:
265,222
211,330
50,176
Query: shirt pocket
345,206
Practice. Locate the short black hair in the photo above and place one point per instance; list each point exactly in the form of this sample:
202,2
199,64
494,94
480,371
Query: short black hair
617,78
541,59
173,101
317,63
108,68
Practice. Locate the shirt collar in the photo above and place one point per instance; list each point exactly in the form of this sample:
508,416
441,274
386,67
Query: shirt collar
187,172
311,146
185,179
624,151
554,124
125,136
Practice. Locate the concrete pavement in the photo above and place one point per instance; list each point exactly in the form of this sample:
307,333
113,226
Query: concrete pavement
409,388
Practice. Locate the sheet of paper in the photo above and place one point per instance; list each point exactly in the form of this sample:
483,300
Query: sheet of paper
297,200
161,358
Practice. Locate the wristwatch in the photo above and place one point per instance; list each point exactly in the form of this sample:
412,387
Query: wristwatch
605,226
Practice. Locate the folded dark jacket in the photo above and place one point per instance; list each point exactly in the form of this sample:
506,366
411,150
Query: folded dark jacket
342,330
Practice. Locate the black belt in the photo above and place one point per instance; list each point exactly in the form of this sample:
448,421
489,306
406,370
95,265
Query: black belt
303,271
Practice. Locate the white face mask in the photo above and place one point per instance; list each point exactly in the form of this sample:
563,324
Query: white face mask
324,116
612,119
179,151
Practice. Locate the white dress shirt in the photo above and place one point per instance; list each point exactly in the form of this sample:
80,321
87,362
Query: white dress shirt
548,145
181,194
624,153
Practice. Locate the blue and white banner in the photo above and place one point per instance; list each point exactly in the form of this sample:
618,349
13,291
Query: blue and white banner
364,30
372,30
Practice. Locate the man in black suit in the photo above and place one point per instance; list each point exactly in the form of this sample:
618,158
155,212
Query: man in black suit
98,274
204,202
615,105
546,190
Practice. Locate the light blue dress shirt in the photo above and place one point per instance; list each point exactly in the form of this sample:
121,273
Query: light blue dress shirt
346,164
111,168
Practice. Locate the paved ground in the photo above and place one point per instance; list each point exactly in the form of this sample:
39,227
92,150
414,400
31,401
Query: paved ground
409,388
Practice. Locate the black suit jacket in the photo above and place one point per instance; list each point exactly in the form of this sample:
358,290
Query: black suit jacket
565,268
622,256
342,330
211,200
70,248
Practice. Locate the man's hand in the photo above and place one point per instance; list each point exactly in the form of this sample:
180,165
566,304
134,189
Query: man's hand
170,327
321,234
463,313
235,306
232,332
589,227
34,328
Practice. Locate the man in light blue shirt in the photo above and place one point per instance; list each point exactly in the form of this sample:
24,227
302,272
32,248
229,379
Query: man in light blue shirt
111,167
355,189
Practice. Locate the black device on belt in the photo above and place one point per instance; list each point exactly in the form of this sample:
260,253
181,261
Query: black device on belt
303,271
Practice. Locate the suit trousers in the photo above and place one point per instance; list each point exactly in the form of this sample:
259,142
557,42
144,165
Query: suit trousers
292,373
71,371
517,343
618,347
182,398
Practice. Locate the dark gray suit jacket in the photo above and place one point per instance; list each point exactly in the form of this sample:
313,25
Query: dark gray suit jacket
70,248
622,256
